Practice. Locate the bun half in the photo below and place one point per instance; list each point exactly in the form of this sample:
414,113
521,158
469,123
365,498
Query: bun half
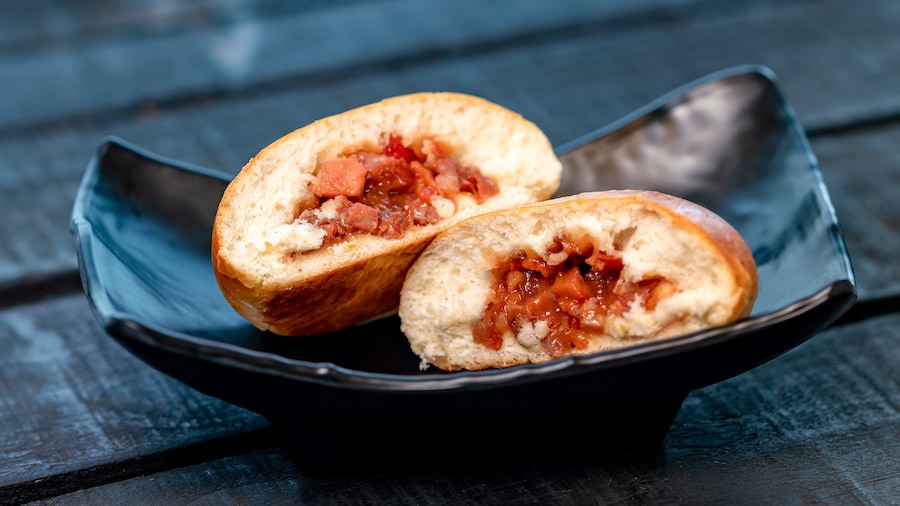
670,267
274,268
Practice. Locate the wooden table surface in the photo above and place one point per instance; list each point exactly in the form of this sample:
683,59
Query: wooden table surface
83,421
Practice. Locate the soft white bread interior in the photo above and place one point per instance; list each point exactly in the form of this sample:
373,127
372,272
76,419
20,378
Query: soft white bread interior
709,271
272,267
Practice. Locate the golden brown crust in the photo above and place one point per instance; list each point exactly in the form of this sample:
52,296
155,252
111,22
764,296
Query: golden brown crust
353,294
358,279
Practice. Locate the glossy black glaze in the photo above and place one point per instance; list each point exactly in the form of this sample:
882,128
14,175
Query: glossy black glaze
728,141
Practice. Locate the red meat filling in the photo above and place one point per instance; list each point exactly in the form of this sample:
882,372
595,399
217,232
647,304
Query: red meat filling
574,297
386,192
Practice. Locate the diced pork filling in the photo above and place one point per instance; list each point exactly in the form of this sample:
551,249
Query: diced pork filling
386,192
572,292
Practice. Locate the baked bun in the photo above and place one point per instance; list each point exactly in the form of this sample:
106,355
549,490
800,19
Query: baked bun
286,261
574,275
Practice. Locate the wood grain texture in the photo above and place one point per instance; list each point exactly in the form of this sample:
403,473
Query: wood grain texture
587,77
862,171
254,48
259,477
626,50
70,397
824,418
41,24
46,22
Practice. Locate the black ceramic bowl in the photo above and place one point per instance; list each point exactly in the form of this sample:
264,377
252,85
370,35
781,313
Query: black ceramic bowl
729,141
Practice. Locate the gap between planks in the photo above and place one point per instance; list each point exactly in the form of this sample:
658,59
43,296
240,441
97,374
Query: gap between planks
64,483
606,20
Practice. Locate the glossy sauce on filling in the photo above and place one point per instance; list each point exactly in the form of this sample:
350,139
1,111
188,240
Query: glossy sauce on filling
573,292
385,192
